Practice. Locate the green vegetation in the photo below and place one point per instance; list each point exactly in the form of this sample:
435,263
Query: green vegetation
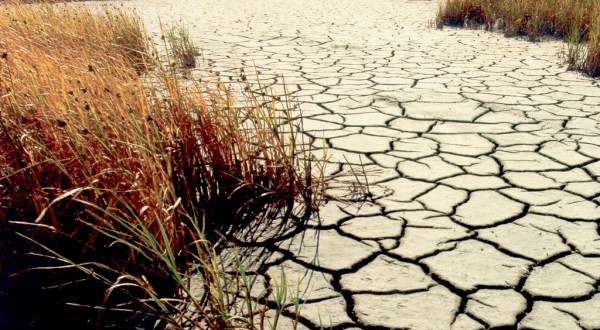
118,183
182,48
577,21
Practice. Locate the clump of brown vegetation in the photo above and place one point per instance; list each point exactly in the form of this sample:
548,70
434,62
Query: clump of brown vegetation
576,21
117,180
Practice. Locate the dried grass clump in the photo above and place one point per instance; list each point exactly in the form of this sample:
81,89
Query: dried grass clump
573,20
459,13
121,174
591,61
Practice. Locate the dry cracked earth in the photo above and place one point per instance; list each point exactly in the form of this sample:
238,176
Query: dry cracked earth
482,155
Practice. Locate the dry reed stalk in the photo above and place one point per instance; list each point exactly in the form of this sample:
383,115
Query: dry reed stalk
119,171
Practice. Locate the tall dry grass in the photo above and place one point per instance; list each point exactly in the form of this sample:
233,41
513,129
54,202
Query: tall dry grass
116,181
573,20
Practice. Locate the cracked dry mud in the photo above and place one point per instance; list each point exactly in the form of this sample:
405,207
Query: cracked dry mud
483,155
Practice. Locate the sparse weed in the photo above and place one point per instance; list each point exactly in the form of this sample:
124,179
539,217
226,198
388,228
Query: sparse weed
183,50
576,52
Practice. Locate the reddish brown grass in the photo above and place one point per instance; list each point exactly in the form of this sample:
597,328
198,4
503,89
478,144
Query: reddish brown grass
115,170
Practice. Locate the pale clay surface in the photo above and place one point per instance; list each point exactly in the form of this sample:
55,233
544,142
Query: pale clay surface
485,151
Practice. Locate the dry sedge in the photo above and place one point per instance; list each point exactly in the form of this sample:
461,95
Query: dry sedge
577,21
120,173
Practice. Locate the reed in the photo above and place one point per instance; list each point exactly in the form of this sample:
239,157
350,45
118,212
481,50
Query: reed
118,180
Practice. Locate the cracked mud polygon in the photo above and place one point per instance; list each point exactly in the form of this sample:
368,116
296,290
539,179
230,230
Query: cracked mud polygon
483,152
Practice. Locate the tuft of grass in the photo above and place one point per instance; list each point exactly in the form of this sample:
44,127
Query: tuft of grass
121,181
576,52
183,50
573,20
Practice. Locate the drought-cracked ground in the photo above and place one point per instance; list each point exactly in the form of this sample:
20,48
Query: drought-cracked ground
482,153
